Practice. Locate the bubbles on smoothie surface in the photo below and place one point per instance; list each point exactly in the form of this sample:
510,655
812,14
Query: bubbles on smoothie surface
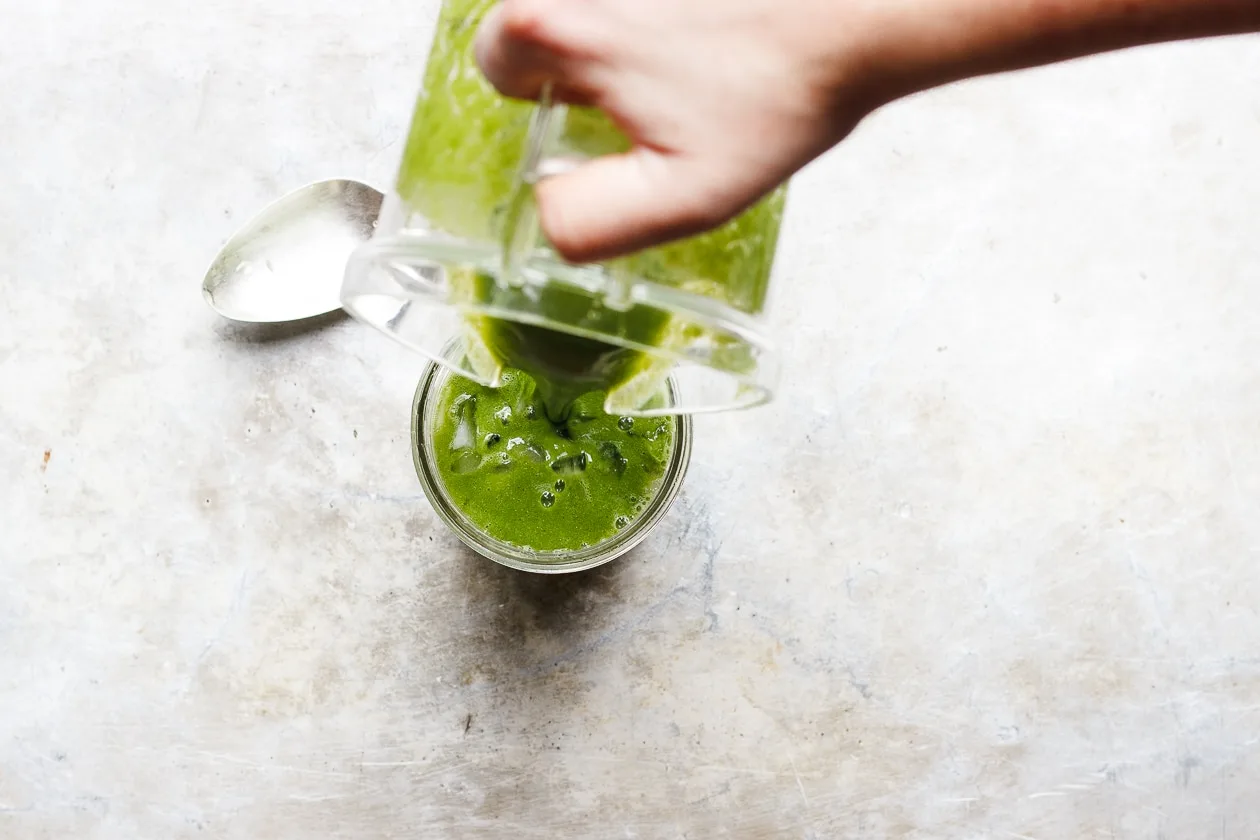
535,483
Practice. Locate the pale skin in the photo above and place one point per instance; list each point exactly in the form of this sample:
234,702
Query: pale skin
726,99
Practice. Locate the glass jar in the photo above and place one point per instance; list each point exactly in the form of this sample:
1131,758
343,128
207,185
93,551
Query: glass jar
425,416
458,254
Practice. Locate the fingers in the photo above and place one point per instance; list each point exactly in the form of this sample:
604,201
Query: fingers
613,205
523,44
517,67
610,205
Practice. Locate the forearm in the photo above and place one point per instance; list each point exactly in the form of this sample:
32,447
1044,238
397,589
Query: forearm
724,99
918,44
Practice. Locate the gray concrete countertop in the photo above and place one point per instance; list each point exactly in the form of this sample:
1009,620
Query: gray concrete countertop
989,568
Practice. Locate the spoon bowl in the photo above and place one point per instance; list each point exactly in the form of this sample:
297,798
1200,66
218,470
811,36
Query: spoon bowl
287,263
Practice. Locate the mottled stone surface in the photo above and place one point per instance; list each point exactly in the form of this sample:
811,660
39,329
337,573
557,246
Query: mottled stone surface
987,570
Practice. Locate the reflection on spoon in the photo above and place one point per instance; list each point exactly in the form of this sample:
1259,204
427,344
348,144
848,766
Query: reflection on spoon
288,262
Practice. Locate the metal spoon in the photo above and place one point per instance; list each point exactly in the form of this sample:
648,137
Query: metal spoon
286,264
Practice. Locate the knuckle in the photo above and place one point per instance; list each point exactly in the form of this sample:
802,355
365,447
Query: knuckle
529,20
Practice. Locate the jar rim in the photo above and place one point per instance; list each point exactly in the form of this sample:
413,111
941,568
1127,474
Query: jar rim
541,562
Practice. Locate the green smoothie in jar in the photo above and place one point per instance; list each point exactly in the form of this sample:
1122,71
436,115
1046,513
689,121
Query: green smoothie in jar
539,495
540,485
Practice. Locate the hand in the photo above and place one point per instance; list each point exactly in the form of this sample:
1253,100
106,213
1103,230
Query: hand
723,99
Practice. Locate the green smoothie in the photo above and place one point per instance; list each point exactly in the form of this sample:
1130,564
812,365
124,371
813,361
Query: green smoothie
539,485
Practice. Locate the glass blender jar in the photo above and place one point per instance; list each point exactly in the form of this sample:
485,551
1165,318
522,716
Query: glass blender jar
458,253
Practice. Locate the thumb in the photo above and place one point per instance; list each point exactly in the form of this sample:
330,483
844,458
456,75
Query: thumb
616,204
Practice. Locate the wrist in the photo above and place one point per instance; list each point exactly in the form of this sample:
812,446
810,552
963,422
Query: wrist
910,46
914,45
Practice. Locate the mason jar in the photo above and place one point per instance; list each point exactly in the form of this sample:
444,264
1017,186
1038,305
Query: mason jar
425,418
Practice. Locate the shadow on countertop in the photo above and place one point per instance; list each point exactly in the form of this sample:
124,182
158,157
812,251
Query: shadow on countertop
547,603
527,647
